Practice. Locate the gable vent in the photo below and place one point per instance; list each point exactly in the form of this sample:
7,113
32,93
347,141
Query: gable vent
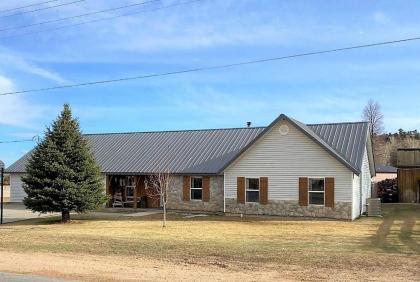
284,129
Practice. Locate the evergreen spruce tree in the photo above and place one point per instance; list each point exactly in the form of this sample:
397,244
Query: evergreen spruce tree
62,175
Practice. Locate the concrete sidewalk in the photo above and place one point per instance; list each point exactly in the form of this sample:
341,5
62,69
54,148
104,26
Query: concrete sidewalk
143,213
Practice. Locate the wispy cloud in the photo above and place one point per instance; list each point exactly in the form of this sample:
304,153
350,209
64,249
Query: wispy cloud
207,25
380,17
261,108
15,110
12,60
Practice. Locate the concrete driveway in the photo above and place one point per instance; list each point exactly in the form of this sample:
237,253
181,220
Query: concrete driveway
17,212
11,277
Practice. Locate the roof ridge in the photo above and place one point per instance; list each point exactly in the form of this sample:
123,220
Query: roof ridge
211,129
178,130
334,123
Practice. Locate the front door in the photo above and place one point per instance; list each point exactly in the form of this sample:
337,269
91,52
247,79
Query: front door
146,201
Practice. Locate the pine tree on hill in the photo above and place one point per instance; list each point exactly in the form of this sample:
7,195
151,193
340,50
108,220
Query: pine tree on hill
62,175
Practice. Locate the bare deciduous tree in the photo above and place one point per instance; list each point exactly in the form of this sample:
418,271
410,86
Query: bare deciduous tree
157,187
373,114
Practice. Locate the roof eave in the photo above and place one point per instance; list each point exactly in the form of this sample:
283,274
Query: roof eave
369,148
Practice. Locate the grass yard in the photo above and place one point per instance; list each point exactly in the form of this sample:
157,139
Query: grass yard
111,247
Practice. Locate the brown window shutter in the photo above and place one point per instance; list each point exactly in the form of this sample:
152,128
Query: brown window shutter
329,192
240,182
263,190
186,188
303,191
206,188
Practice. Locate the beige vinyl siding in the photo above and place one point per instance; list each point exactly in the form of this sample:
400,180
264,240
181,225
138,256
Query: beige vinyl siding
16,189
356,197
285,158
362,187
366,181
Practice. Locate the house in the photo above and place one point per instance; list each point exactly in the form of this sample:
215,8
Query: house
382,172
287,168
408,164
385,172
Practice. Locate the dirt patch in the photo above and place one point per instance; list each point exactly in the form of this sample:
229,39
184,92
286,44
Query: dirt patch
106,268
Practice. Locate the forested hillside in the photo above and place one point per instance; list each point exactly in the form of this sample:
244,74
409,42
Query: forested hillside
385,145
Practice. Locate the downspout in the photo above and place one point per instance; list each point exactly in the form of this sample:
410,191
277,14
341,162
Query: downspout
224,193
361,193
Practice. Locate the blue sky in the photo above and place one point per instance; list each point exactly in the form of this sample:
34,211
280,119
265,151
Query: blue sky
323,88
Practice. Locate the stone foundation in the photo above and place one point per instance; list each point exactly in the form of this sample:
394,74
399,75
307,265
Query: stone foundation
215,204
342,210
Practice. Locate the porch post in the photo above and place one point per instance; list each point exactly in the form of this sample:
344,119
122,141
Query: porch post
108,190
135,191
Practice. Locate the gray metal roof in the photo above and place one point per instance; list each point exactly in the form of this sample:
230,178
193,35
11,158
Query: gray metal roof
386,169
348,140
188,151
207,151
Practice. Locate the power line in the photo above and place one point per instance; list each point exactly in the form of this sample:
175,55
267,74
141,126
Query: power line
212,67
40,9
18,141
101,19
27,6
79,16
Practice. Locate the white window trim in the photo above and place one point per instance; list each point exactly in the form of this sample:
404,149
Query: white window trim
315,205
195,188
252,190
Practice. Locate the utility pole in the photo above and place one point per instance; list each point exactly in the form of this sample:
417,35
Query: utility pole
1,187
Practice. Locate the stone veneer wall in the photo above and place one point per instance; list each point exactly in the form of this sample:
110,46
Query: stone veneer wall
215,204
342,210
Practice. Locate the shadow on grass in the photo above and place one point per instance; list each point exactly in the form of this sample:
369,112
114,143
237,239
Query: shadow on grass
102,215
407,233
402,217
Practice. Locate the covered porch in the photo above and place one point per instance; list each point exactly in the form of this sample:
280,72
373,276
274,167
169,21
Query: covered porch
129,191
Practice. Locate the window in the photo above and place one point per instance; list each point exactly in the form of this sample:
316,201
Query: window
131,181
130,185
253,190
316,191
196,188
6,180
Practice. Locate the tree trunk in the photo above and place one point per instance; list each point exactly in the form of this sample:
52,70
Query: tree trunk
65,216
164,214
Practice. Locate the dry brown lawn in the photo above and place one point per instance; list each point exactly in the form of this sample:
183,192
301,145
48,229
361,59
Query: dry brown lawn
111,247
